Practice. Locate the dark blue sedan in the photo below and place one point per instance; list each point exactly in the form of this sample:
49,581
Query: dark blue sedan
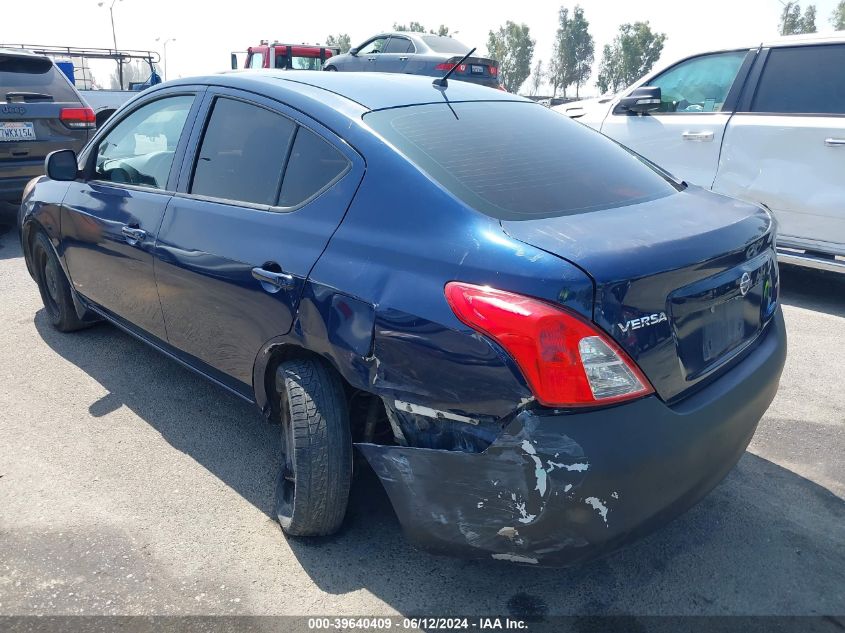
542,344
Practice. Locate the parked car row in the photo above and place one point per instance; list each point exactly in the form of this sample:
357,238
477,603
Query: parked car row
764,123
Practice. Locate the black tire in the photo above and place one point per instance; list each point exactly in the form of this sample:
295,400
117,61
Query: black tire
330,69
54,287
312,489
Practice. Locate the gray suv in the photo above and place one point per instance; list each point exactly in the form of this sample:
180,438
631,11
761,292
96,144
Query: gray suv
40,111
417,54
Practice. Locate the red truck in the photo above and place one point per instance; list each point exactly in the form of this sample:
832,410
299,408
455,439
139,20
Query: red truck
286,56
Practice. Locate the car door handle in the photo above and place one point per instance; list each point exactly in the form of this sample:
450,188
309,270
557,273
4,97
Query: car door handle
697,136
371,59
133,234
834,142
403,58
272,281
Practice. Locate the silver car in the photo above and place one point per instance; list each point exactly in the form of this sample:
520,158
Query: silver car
417,54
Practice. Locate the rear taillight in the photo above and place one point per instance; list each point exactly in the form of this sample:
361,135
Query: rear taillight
494,71
445,66
566,360
78,118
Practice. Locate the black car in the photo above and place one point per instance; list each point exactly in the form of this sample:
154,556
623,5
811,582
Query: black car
417,54
40,111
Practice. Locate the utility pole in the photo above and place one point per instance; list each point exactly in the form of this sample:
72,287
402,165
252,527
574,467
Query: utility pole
169,39
114,40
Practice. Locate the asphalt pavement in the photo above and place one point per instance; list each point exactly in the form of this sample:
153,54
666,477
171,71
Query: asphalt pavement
128,485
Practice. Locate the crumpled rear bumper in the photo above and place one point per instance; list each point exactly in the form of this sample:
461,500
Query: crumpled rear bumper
561,488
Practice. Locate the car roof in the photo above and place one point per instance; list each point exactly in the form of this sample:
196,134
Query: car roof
805,39
370,90
23,52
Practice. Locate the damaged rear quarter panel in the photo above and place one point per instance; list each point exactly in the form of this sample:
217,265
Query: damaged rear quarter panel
396,252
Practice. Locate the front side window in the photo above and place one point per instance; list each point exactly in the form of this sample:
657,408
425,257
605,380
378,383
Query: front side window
803,80
139,150
700,84
242,153
518,161
376,46
314,164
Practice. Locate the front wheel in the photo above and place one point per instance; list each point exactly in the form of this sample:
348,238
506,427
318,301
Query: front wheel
53,286
330,69
312,489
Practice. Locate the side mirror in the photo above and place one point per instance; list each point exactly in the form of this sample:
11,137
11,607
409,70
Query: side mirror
61,165
234,62
353,51
641,100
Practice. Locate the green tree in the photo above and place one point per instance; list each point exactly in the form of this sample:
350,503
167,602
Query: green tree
341,41
537,76
838,17
416,27
583,47
632,54
513,47
561,67
573,54
792,22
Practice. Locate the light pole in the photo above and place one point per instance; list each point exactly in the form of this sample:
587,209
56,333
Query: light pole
169,39
114,39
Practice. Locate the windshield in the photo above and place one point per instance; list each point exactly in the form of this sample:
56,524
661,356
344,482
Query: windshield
517,160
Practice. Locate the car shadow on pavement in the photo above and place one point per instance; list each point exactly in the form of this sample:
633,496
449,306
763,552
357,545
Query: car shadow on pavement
765,541
813,289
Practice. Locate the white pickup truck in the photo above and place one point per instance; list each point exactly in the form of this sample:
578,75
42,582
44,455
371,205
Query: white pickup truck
764,123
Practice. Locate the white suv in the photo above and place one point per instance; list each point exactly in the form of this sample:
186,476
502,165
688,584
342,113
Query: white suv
764,124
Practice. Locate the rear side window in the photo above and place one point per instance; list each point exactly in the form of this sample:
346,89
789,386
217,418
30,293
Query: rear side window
398,45
313,166
242,153
803,80
35,75
519,161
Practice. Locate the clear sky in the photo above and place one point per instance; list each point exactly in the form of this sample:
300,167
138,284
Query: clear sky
206,32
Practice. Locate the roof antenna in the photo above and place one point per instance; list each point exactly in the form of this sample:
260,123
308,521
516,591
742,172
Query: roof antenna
441,82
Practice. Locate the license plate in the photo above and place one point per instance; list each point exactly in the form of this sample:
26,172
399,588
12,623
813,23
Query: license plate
726,330
17,131
476,70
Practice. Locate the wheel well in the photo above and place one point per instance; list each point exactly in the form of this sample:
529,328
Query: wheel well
363,406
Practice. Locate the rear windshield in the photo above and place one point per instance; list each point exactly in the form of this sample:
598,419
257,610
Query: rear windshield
33,74
441,44
519,161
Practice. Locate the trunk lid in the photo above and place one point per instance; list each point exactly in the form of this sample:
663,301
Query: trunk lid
684,283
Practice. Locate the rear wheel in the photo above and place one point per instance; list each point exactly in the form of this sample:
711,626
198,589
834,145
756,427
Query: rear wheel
312,489
53,286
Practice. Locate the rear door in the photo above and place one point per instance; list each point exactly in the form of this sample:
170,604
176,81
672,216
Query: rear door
258,201
110,218
786,148
33,95
685,135
395,56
